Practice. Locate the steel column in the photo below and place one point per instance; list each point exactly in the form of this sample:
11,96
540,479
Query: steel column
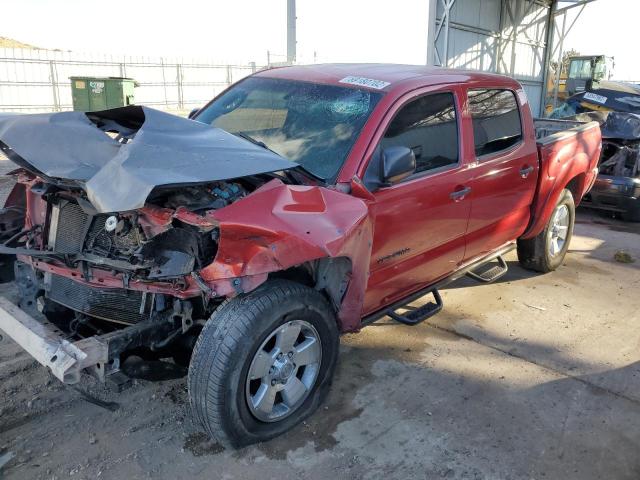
291,31
559,47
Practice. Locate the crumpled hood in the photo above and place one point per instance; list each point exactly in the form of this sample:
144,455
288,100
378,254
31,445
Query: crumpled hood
162,149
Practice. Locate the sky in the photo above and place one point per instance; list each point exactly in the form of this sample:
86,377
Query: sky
240,31
609,27
224,30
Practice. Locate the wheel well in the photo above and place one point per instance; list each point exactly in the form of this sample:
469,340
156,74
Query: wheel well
575,186
330,276
300,274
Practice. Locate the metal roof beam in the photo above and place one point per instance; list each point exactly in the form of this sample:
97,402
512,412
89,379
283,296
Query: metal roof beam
577,3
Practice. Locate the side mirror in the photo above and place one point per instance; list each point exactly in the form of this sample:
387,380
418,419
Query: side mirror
193,113
389,166
397,164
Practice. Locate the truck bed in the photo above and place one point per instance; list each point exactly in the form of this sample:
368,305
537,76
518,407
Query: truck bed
551,130
568,153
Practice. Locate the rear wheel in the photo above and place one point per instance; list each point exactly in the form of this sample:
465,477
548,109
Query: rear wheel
263,362
546,251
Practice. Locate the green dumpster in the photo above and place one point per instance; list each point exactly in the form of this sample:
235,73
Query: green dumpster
91,94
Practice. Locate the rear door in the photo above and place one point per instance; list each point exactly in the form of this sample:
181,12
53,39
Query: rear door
505,170
420,223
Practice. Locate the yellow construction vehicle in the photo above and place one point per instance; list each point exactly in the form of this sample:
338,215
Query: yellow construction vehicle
585,72
581,73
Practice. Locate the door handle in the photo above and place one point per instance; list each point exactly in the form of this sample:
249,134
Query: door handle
458,195
525,171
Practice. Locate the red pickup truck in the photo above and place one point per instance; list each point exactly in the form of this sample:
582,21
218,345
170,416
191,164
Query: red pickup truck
300,203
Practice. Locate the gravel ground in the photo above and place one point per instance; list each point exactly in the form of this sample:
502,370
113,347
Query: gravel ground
533,377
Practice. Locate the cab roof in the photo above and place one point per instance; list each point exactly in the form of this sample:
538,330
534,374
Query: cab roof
393,75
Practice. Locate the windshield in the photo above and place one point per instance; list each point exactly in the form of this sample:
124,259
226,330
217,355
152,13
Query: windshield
310,124
580,69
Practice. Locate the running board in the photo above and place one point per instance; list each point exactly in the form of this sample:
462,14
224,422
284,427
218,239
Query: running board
414,317
461,272
490,274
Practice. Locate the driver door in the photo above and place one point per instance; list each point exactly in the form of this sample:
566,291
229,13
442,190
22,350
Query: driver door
420,223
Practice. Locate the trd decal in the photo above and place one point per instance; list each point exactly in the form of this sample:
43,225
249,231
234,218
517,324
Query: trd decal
393,255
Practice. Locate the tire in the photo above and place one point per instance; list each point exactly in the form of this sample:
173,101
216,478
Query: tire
539,253
230,346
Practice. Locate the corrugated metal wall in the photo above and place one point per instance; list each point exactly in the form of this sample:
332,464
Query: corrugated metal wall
503,36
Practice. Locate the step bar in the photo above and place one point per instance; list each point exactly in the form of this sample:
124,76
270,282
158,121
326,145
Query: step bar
461,272
490,274
419,315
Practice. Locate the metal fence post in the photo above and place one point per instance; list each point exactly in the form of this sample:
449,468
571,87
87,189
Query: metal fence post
164,83
54,85
229,77
180,93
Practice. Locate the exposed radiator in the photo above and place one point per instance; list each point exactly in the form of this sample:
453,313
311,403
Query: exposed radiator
114,304
69,225
72,230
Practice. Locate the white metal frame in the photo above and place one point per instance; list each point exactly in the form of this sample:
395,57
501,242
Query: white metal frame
557,33
516,16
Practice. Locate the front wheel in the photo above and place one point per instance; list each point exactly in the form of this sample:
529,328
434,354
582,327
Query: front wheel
263,362
546,251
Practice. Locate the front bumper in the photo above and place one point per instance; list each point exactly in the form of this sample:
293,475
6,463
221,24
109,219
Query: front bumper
45,343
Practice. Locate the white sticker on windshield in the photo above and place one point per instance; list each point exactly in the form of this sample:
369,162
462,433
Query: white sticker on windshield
365,82
595,97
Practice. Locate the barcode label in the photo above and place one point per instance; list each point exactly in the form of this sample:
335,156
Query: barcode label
595,97
365,82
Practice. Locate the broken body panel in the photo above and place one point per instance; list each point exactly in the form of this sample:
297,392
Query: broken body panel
277,227
119,156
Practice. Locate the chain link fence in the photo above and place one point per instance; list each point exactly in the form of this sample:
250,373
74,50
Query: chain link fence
38,80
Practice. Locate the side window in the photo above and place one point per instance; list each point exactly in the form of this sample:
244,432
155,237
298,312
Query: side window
496,120
428,126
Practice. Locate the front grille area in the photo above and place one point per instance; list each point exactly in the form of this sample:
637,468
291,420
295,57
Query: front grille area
111,244
76,231
70,229
114,304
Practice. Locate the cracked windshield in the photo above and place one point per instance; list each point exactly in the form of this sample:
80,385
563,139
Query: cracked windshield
314,125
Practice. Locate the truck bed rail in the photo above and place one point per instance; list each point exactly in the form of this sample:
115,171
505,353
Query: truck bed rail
549,130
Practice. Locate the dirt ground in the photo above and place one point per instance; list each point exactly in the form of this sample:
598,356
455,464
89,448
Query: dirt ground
533,377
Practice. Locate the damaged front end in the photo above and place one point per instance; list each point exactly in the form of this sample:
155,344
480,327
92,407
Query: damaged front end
123,246
94,274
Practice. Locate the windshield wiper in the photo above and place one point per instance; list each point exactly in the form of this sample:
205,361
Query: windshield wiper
264,145
254,141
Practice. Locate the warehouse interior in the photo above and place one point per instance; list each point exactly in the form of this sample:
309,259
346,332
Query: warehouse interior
519,38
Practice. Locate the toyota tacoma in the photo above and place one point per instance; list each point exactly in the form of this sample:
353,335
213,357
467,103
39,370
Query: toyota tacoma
301,203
